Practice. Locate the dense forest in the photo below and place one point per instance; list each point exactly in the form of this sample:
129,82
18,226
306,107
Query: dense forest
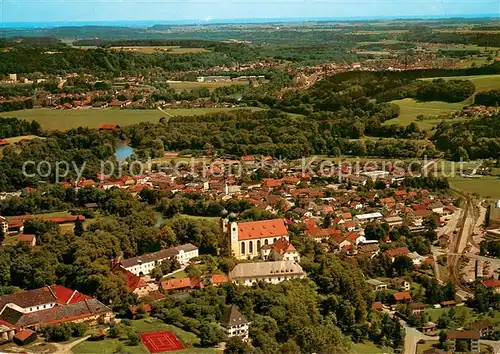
479,137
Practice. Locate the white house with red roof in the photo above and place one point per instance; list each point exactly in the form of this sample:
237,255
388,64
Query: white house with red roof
281,250
247,238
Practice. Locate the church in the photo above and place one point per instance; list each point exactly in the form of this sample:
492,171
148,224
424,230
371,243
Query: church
247,238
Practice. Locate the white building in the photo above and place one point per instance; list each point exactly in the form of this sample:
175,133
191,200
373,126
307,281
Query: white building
234,324
269,272
368,217
143,265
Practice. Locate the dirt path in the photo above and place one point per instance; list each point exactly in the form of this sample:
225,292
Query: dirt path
66,348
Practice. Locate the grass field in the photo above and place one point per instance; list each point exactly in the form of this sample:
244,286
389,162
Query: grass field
109,345
410,109
468,313
162,49
482,82
53,119
488,186
190,85
369,348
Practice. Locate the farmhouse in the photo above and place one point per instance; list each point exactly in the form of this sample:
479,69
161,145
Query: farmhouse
247,238
51,305
269,272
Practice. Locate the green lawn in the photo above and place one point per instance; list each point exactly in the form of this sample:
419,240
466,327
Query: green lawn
434,314
488,186
410,109
55,119
108,346
369,348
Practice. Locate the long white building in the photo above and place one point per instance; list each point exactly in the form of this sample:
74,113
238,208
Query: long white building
143,265
269,272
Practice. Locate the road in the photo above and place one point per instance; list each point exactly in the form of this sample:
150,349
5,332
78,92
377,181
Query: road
412,336
494,343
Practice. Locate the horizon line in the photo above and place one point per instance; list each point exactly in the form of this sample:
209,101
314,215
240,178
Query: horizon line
228,21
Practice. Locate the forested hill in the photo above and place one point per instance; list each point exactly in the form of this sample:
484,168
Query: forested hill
29,58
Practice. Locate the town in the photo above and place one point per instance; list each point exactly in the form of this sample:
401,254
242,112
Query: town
278,186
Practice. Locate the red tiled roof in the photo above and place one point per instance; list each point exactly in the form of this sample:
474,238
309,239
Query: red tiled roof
282,246
403,295
219,279
261,229
402,251
183,283
24,334
105,126
145,307
25,238
67,296
491,283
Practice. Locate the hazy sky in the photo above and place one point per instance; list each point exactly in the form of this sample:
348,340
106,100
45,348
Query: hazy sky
128,10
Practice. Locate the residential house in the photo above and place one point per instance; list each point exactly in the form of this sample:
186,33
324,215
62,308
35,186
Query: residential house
428,327
281,250
247,238
29,240
234,324
181,284
402,297
377,285
485,327
471,337
401,284
416,308
135,283
492,283
270,272
394,221
397,252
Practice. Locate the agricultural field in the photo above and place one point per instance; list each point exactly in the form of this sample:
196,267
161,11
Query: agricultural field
162,49
180,86
53,119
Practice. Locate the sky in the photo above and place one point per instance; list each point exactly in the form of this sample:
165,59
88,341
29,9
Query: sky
209,10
